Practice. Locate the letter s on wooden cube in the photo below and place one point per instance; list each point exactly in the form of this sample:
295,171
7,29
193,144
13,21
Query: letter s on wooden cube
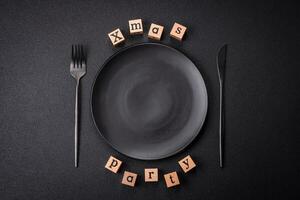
178,31
113,164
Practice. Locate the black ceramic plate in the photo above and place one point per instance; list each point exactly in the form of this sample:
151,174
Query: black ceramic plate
149,101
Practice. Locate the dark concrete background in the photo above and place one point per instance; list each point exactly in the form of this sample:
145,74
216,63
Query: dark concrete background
37,99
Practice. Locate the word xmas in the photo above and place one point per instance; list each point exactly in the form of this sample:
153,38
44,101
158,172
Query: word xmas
155,31
150,174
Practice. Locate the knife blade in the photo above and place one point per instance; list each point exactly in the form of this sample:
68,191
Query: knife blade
221,63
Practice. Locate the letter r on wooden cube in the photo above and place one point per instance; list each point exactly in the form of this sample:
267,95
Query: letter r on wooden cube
135,26
171,179
113,164
187,163
116,37
155,31
151,175
178,31
129,178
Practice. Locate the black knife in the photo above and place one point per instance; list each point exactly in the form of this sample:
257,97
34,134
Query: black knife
221,62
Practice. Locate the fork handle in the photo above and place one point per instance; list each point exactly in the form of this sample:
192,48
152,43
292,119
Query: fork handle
76,123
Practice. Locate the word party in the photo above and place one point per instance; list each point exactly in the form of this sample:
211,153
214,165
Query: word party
150,174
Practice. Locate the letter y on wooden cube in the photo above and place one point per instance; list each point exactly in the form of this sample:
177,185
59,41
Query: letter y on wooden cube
135,26
187,163
116,37
113,164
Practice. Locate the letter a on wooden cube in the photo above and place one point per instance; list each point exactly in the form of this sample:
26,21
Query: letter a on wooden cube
116,37
151,175
178,31
129,178
155,31
113,164
187,163
171,179
135,26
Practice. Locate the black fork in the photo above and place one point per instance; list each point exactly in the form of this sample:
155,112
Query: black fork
77,70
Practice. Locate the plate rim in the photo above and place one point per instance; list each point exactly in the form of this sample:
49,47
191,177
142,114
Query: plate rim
91,101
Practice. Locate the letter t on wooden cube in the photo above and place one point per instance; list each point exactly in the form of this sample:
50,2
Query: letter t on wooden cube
171,179
178,31
113,164
116,37
135,26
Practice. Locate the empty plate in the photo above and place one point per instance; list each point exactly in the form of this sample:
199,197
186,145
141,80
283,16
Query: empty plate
149,101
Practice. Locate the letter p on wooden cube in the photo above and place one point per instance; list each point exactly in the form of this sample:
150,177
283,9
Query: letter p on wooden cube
177,31
187,163
135,26
116,37
113,164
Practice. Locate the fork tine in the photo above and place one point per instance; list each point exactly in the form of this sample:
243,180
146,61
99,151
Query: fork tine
76,56
80,55
84,54
72,54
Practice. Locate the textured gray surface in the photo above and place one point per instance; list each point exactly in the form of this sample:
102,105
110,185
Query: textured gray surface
37,99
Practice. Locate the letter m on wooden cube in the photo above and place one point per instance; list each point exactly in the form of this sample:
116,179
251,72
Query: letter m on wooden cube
135,26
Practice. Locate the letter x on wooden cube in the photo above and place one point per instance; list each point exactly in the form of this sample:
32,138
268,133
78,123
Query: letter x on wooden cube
116,37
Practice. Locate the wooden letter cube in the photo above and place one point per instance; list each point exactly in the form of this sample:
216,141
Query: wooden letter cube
155,31
116,37
171,179
151,175
129,178
113,164
135,26
178,31
187,163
